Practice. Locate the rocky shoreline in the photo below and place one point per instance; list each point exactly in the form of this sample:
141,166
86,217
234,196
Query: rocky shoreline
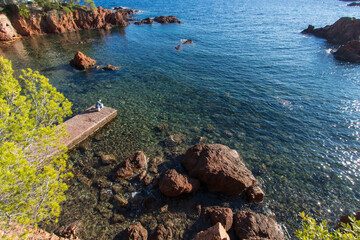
58,21
344,32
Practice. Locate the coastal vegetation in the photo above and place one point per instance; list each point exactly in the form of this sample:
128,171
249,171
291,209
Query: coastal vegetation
320,231
32,184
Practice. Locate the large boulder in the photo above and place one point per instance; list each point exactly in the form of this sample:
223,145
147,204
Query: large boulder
136,232
250,225
134,164
7,32
216,232
173,184
166,20
219,214
342,31
81,61
220,167
349,52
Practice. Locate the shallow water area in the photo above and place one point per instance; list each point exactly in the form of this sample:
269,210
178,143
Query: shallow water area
250,81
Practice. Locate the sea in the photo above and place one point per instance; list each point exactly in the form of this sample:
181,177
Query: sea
250,81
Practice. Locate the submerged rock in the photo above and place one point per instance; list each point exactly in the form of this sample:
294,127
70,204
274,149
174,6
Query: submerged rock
110,68
134,164
216,232
349,52
219,214
173,184
162,232
136,232
166,20
178,47
250,225
81,62
220,167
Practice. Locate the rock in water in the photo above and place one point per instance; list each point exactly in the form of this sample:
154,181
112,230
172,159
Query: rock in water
166,20
81,62
250,225
219,214
342,31
133,165
216,232
349,52
136,232
162,232
220,167
110,68
188,41
174,184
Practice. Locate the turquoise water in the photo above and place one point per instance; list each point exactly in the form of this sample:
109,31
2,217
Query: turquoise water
275,95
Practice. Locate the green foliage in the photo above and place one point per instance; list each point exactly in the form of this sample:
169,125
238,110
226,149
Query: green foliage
31,184
313,231
23,10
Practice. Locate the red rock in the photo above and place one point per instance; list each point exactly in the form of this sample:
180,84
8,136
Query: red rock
132,165
255,194
219,214
136,232
7,32
174,184
250,225
349,52
342,31
162,232
216,232
81,62
59,21
166,20
220,167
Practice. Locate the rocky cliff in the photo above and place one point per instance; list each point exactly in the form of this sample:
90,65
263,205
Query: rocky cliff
57,21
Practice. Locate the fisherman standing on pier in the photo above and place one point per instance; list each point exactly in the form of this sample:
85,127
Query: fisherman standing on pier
99,105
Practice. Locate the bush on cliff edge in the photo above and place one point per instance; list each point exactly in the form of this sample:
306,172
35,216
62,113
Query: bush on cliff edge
31,184
313,231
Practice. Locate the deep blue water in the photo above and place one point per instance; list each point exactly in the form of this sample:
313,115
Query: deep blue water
287,106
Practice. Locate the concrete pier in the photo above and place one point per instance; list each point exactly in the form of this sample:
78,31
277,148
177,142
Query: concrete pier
86,123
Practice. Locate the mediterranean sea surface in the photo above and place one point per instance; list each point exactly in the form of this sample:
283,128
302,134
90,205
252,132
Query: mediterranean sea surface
250,81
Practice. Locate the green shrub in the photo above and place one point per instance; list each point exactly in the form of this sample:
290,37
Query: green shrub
31,184
313,231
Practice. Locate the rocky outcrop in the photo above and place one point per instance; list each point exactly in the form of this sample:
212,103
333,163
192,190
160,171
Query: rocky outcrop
250,225
219,214
81,62
7,32
136,232
349,52
220,167
342,31
70,231
110,68
173,184
216,232
134,164
166,20
57,21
